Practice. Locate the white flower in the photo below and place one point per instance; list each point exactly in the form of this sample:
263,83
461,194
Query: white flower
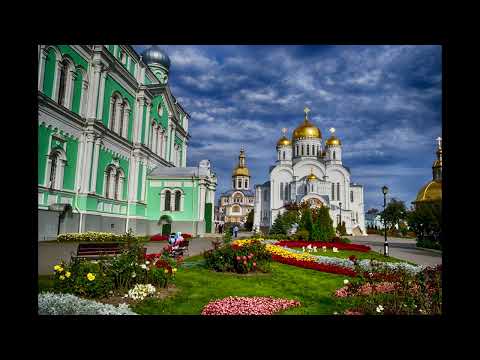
345,281
335,249
147,262
335,313
379,308
143,266
133,274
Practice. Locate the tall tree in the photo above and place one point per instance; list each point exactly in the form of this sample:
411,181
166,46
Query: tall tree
394,212
249,221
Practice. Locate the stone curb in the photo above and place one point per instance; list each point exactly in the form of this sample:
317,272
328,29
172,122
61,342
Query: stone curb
427,249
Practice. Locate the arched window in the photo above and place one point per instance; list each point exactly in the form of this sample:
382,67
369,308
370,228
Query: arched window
236,209
122,114
278,155
296,150
308,150
284,155
113,112
53,169
338,191
302,150
119,179
233,183
178,196
281,191
239,183
246,184
333,191
62,89
334,155
351,196
167,200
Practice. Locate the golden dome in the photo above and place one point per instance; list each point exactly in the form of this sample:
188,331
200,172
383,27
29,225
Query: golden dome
333,140
432,191
312,176
241,171
283,141
306,130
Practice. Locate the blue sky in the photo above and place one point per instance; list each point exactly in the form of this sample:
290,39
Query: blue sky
384,101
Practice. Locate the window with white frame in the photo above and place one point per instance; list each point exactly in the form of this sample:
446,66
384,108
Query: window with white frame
119,115
178,197
167,204
114,182
56,165
62,86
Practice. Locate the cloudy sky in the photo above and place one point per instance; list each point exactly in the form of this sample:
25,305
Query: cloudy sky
384,101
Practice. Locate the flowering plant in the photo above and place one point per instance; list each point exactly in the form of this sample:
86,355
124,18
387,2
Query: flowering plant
141,291
324,245
234,305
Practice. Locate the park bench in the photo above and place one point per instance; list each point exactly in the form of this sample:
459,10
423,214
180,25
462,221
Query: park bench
99,251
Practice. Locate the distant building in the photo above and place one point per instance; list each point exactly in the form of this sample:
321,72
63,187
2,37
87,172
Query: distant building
235,204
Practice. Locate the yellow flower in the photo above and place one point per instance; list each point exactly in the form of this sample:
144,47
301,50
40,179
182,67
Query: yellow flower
165,271
174,269
90,276
58,268
67,274
62,277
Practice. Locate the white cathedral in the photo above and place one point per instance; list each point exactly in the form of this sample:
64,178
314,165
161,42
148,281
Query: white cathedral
307,171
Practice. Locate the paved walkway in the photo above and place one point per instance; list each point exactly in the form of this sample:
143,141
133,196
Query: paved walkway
401,248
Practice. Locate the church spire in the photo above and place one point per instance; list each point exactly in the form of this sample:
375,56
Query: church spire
437,165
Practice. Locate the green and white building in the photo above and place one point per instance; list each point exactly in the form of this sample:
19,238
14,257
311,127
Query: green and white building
112,145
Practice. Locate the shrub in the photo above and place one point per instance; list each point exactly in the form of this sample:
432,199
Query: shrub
92,236
82,277
240,259
300,235
68,304
341,229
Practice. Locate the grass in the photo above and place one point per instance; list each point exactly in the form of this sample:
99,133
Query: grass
344,254
45,283
198,286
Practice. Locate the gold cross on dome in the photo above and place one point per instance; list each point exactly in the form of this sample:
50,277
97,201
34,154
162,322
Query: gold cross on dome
284,131
332,130
439,141
306,110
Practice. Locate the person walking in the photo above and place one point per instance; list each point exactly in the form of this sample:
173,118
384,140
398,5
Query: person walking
235,231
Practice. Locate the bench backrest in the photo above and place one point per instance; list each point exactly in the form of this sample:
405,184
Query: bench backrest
97,249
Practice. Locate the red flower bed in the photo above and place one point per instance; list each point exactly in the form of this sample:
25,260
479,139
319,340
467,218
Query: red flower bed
235,305
159,237
319,244
334,269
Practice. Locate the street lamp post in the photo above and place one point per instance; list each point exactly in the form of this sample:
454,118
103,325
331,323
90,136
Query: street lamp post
385,246
340,213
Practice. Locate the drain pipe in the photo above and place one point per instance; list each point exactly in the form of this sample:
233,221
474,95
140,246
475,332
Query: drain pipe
78,210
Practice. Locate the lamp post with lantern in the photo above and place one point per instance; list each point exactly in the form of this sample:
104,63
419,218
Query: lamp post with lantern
385,245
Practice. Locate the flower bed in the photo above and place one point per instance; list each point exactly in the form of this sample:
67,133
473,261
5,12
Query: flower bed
160,237
319,244
234,305
68,304
309,264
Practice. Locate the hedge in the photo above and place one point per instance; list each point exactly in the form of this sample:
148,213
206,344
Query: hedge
93,236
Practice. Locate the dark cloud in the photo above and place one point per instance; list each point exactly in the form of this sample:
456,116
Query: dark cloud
384,101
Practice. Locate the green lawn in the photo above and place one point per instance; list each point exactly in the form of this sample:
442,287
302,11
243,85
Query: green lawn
344,254
198,286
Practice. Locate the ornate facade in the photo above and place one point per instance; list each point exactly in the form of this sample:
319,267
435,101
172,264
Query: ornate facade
112,144
306,170
236,203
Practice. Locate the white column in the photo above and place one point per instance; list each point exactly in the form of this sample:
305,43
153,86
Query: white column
164,144
93,184
101,94
137,120
94,89
201,203
84,98
87,162
144,183
154,138
132,175
147,120
41,66
184,154
79,174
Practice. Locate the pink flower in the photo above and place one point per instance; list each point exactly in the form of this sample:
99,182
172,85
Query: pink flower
244,258
234,305
254,264
238,257
244,262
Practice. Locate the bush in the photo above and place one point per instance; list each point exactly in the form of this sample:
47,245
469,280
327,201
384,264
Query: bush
240,259
93,236
68,304
408,293
82,277
341,229
301,235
